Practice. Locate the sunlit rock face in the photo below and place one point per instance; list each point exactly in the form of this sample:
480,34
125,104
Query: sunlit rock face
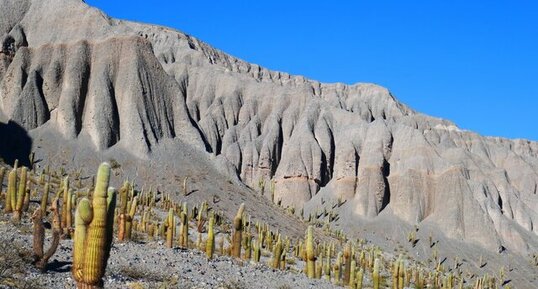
69,67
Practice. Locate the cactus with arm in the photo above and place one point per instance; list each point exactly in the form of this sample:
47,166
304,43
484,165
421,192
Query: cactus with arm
238,232
93,233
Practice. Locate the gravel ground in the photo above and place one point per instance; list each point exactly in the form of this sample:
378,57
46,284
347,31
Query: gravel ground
141,265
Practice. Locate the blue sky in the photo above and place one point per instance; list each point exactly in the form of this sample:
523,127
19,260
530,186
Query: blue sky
472,62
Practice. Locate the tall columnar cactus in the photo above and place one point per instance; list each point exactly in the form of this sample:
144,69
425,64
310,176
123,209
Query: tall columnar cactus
359,278
310,254
170,228
401,274
277,254
122,217
130,217
127,212
395,270
319,267
238,232
327,264
17,210
337,270
65,201
93,233
200,218
353,269
184,228
257,250
375,274
11,191
71,197
419,284
247,245
347,263
45,198
210,243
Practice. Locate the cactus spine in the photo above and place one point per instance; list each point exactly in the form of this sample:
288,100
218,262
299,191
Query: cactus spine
238,232
310,254
93,233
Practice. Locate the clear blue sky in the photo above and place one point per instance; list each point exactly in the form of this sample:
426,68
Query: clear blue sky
472,62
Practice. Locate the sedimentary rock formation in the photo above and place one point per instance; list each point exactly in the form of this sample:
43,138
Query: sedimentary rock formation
68,67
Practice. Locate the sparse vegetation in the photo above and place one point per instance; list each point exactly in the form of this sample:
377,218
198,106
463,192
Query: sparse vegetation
141,217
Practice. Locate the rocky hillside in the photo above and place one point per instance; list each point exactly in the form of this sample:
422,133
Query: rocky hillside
144,92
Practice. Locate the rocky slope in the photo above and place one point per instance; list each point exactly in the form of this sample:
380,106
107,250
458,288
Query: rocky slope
147,92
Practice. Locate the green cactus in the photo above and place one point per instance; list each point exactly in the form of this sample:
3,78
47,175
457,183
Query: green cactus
65,200
327,264
359,278
310,254
401,274
45,198
210,243
93,233
347,263
319,267
337,270
352,274
170,227
375,274
257,250
127,212
133,204
184,228
69,214
277,254
238,232
394,273
11,191
248,246
21,192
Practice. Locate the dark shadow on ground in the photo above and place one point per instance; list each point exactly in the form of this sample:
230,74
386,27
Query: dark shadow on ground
59,266
15,143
